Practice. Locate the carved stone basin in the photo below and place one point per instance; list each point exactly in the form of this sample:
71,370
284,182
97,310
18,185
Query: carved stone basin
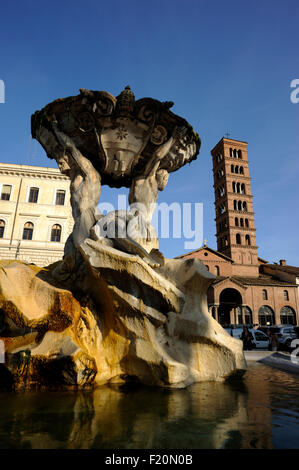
118,134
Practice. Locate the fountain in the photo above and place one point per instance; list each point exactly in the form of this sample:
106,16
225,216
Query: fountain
114,309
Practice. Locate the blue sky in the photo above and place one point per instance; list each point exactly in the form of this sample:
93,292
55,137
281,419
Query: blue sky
226,65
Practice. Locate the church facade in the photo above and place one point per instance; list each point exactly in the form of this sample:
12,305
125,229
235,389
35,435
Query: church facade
247,289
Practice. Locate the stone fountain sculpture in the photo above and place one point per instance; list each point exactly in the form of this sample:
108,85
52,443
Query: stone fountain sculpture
114,309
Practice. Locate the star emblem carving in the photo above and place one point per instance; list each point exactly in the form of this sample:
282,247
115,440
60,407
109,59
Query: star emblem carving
122,133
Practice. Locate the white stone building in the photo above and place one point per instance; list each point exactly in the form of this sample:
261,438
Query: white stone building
35,213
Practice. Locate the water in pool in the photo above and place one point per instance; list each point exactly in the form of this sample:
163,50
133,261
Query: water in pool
260,411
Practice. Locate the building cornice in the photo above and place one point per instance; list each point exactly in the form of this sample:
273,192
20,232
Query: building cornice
224,140
28,171
226,230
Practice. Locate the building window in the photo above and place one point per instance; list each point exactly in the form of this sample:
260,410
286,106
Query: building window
232,169
247,240
236,222
265,294
6,192
246,223
56,233
266,316
2,228
33,195
217,271
240,154
241,170
238,239
242,222
28,231
247,315
287,316
60,197
239,315
286,295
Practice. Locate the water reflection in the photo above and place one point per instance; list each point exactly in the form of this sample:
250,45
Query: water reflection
262,411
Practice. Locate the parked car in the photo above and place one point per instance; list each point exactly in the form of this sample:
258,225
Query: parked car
284,333
260,339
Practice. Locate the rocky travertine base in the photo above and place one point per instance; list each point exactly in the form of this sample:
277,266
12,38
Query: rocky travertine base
69,326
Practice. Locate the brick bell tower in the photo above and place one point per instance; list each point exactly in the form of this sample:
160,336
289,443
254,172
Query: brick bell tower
233,205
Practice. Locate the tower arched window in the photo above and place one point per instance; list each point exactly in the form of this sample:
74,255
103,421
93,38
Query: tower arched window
265,294
221,191
240,154
240,206
234,186
236,169
247,240
28,231
232,169
235,153
236,222
241,170
220,173
242,222
2,228
238,239
235,205
245,206
246,223
230,152
243,191
56,233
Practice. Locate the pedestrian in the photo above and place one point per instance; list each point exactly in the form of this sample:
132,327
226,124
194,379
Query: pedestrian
273,341
247,339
